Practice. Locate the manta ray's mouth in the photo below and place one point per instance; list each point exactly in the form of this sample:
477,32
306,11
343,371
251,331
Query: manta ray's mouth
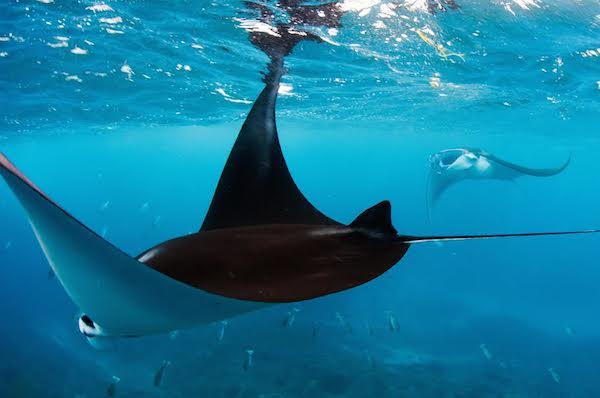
445,159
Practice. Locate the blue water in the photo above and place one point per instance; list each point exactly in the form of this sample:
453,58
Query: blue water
131,132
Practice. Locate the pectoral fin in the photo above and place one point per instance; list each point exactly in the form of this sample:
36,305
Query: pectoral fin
256,186
122,295
521,170
437,184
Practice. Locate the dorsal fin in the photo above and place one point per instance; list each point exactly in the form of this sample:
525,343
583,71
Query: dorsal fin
256,186
376,219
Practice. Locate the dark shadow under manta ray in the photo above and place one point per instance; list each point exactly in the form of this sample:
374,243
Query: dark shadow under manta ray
262,242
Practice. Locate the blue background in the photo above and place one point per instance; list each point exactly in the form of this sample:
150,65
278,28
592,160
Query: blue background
359,128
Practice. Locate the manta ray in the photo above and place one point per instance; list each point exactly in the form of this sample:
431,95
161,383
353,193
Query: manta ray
261,242
450,166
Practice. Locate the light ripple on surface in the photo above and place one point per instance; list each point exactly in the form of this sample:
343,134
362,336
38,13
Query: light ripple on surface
374,59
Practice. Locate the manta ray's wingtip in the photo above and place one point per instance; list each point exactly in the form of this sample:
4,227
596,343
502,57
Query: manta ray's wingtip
544,172
567,162
6,166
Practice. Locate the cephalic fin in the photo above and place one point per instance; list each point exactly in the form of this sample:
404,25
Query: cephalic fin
122,295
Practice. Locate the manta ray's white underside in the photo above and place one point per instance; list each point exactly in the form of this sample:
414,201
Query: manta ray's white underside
120,294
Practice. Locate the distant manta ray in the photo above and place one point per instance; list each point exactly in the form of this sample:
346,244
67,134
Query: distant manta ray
450,166
261,243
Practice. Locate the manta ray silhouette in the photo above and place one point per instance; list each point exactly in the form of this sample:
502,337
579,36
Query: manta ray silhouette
261,243
450,166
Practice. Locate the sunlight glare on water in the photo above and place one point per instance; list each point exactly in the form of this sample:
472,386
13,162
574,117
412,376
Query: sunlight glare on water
70,63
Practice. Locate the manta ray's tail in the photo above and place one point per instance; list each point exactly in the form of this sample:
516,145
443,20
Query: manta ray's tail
425,239
529,171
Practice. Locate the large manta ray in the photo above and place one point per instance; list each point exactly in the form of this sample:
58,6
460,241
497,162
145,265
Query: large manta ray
261,243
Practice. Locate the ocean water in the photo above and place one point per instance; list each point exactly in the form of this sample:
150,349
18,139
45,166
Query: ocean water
125,116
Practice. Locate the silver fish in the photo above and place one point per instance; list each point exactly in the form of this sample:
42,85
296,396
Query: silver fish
554,375
392,323
158,376
290,318
104,206
222,331
111,391
369,327
248,360
485,351
343,322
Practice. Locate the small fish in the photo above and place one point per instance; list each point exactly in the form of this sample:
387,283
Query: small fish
554,375
222,331
144,207
369,327
248,360
156,221
345,324
569,331
7,246
369,360
485,351
51,274
173,334
392,323
315,330
111,391
104,231
290,318
104,205
158,376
